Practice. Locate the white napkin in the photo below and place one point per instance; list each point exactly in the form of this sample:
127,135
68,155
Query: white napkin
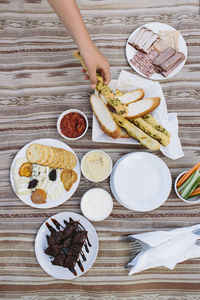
166,248
128,82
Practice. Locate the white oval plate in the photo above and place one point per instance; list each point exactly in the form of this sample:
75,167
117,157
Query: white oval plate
155,27
141,181
45,260
65,195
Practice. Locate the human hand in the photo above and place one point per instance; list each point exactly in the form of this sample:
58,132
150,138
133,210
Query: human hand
95,60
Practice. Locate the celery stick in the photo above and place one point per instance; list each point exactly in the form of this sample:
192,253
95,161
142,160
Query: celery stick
189,186
193,188
186,182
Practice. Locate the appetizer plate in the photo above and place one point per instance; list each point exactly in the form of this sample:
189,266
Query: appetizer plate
66,112
151,89
41,244
65,195
193,200
140,181
155,27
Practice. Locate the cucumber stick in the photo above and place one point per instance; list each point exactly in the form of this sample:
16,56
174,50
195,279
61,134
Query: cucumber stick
186,182
186,190
193,188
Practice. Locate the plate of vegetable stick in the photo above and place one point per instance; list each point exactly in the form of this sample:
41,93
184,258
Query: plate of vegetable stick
187,185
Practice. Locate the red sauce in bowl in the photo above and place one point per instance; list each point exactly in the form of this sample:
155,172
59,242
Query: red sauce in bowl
73,125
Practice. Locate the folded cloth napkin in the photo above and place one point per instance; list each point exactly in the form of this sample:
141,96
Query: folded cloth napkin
165,248
128,82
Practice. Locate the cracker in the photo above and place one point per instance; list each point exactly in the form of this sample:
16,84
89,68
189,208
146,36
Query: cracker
34,153
70,160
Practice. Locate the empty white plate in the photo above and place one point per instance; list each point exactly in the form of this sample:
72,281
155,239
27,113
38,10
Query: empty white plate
141,181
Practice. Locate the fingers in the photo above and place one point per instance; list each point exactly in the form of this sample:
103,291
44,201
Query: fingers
106,74
86,77
93,77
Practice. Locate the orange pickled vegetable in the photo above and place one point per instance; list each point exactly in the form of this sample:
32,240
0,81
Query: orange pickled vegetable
187,175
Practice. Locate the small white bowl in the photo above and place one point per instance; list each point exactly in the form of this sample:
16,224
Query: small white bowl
111,165
193,200
96,204
66,112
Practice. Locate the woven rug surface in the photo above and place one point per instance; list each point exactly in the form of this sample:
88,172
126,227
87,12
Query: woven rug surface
39,78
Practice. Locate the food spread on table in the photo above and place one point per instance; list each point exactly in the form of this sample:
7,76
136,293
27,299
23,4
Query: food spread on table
44,173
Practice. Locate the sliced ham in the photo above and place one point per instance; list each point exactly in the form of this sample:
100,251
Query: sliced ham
143,62
168,64
138,36
166,73
150,42
165,55
144,38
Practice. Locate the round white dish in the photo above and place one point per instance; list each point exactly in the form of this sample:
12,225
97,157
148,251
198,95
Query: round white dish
193,200
155,27
96,204
109,172
141,181
41,244
65,195
65,113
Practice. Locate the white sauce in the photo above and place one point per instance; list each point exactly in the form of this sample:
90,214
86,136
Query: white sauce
96,204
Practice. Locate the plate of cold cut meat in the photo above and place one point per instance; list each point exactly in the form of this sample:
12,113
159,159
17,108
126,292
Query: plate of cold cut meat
156,51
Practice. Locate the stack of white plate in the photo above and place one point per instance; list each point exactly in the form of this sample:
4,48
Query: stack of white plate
140,181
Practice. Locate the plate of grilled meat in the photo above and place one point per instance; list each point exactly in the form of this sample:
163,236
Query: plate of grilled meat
156,51
66,245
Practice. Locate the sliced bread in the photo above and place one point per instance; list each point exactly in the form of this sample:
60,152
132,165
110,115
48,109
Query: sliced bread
142,107
130,97
104,117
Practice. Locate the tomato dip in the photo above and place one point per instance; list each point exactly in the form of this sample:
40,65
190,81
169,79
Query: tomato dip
73,125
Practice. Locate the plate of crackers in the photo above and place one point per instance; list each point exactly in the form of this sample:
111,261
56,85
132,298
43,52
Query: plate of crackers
45,173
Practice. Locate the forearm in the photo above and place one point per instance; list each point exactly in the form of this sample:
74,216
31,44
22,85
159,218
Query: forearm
69,14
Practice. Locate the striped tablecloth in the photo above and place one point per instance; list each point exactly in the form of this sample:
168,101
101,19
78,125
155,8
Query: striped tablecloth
39,78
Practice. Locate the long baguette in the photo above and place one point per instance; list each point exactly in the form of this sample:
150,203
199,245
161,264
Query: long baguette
104,90
136,132
152,132
152,121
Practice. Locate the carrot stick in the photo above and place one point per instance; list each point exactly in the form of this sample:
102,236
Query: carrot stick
195,192
187,174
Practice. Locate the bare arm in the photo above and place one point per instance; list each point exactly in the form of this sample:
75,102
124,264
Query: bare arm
69,14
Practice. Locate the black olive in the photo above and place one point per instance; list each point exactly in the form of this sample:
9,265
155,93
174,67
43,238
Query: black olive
52,175
32,184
